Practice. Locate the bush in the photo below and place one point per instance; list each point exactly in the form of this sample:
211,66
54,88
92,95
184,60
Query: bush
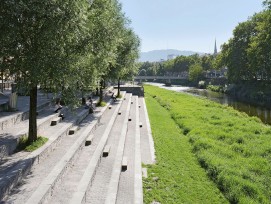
201,84
216,88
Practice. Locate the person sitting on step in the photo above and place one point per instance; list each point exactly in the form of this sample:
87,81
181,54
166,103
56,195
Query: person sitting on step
113,97
58,107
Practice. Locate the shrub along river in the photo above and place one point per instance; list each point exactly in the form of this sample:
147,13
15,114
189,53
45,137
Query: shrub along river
261,112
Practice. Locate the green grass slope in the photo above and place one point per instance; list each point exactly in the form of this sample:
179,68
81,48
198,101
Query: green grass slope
176,177
233,148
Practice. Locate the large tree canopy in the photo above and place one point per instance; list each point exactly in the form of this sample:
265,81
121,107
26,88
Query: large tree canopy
63,44
248,53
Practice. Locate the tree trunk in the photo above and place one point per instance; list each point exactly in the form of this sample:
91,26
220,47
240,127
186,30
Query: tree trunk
97,92
32,133
2,77
118,87
101,91
83,98
104,84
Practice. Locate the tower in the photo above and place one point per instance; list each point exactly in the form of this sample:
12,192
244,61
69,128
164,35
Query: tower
215,50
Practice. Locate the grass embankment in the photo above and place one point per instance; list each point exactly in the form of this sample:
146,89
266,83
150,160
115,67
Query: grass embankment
233,148
177,176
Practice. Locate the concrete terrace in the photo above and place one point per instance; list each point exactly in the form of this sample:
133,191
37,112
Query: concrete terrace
89,158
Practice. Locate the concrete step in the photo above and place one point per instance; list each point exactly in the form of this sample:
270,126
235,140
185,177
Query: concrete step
12,119
130,181
147,144
51,159
89,140
55,121
10,137
73,130
106,150
77,179
19,164
100,183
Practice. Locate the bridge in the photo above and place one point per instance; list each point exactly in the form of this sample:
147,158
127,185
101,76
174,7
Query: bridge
160,77
166,79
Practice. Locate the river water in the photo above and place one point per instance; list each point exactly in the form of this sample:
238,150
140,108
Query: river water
261,112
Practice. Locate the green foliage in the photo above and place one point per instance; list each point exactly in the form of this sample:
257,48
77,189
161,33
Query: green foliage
30,147
195,72
177,176
101,104
247,53
215,88
232,147
202,84
64,45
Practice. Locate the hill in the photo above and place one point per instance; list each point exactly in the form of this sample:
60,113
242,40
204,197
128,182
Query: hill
157,55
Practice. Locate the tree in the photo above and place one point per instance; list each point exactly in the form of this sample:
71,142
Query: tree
234,53
42,38
128,51
259,50
195,72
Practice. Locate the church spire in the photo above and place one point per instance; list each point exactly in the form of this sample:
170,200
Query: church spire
215,50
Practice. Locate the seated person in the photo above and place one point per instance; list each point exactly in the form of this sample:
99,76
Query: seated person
113,97
58,107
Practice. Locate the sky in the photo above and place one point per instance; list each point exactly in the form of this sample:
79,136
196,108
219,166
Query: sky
191,25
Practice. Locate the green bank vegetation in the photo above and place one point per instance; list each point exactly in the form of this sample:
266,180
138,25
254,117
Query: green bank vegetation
233,149
25,145
176,177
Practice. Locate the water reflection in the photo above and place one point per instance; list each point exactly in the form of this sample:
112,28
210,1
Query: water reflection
261,112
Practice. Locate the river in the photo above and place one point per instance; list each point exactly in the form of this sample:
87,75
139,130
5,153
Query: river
261,112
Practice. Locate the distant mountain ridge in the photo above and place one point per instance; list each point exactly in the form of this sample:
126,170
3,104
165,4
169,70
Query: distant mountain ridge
157,55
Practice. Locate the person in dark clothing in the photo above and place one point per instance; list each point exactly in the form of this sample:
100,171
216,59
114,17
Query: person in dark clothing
58,107
113,97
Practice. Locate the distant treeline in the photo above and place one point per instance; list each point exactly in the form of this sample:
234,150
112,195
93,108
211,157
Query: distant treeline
194,67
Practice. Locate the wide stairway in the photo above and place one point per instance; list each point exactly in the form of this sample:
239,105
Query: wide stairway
89,158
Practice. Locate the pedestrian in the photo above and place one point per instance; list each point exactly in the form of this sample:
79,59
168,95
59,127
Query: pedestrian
58,106
113,97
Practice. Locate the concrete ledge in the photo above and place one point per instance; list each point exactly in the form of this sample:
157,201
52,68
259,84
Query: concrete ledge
79,195
138,188
15,118
46,187
114,180
124,164
8,148
73,130
43,191
56,121
89,140
106,151
22,167
151,142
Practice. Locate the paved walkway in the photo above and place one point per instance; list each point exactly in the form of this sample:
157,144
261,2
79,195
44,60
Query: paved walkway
23,104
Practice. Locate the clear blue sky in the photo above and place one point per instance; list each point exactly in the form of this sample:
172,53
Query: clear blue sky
187,24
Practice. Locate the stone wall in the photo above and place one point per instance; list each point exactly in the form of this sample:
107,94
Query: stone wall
135,90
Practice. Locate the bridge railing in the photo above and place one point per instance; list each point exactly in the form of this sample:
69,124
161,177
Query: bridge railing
160,77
